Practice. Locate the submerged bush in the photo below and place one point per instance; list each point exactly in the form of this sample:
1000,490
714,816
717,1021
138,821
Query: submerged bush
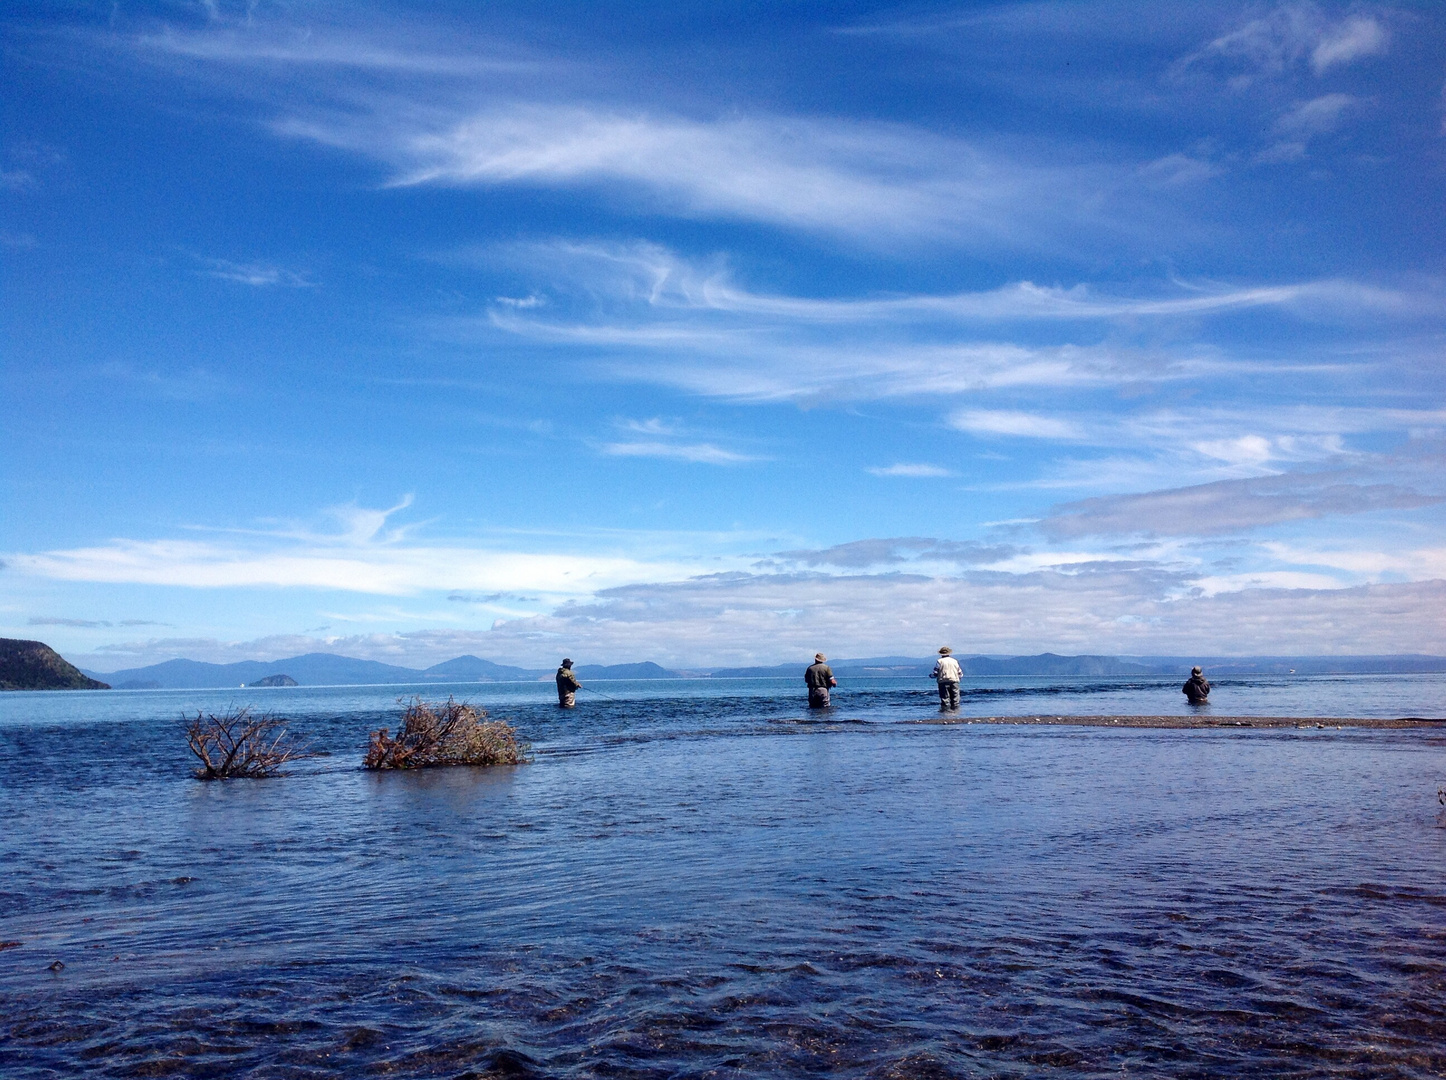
237,745
450,734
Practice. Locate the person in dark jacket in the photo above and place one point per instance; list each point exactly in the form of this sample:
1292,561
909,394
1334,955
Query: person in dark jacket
1197,688
819,678
567,686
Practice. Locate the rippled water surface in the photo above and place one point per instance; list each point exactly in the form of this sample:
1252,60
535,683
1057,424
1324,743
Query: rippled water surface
704,881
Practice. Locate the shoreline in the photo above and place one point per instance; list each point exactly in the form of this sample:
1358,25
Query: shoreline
1311,722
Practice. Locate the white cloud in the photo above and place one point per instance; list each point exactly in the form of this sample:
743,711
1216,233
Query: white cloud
1317,116
363,524
917,552
647,276
1417,563
1291,35
1260,451
920,471
645,313
740,618
1228,506
702,453
1356,37
398,51
666,439
389,570
1179,170
865,180
257,275
1010,423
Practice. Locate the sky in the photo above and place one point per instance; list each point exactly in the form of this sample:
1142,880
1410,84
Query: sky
720,333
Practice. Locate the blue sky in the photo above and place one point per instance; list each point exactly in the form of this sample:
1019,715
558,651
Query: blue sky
721,333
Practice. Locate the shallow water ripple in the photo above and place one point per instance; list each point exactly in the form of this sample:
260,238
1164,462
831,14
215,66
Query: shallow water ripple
674,893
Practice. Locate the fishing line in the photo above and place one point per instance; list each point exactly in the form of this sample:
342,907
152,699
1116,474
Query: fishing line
600,694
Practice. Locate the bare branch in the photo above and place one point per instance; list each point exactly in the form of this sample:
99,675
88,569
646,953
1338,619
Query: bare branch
452,734
236,744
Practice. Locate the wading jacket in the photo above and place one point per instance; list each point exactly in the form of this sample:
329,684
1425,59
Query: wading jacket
947,670
566,680
1197,688
819,676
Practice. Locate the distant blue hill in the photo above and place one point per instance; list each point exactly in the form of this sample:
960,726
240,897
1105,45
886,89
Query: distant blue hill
646,670
465,668
312,669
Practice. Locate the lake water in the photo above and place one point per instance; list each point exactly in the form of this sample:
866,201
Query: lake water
699,879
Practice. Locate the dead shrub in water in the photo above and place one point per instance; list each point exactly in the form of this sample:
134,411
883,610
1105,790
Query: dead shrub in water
451,734
237,745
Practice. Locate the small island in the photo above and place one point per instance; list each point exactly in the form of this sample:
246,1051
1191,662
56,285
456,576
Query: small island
34,665
275,680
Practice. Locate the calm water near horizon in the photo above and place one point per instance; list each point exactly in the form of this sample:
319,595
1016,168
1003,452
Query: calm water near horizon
697,878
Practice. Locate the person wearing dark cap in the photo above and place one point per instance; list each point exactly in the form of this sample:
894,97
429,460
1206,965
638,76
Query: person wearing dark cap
819,678
567,686
1197,688
947,674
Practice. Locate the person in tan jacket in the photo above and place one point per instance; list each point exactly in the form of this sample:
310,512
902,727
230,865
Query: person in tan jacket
567,686
947,674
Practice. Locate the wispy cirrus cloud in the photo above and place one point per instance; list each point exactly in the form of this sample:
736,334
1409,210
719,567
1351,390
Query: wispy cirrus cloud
1009,422
1229,506
409,100
256,274
1347,41
392,570
649,313
361,553
916,471
868,181
1304,121
657,438
1316,116
897,551
699,453
89,624
650,275
397,49
1291,35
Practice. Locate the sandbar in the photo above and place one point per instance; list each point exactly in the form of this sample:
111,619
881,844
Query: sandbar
1200,721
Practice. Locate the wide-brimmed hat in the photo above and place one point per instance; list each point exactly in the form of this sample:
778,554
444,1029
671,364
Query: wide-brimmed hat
944,650
1194,671
819,657
567,663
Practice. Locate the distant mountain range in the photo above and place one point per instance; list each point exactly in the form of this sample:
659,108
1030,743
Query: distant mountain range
326,669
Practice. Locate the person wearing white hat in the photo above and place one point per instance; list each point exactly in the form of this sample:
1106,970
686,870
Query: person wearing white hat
819,678
947,674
